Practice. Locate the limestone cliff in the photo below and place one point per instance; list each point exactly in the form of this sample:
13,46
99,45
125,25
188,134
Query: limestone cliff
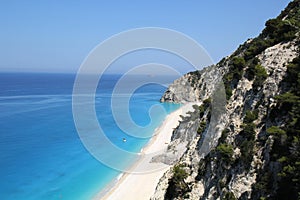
248,147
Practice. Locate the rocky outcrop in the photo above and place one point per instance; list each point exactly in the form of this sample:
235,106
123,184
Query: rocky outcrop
194,86
224,146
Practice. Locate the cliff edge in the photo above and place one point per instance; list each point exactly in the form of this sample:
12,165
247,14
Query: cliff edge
248,147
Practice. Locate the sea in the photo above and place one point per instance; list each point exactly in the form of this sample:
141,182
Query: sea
41,154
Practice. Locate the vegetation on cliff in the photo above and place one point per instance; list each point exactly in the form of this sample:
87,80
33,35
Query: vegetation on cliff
177,185
281,29
269,129
282,182
286,147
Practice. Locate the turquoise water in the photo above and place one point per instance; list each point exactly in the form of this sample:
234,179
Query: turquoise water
42,156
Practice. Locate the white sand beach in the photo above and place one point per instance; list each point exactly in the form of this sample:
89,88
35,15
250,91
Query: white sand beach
141,186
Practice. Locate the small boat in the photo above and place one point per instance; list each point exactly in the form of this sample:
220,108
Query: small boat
124,139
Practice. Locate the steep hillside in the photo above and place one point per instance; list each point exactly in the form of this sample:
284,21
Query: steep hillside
248,147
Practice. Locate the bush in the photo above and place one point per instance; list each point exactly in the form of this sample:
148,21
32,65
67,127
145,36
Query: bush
287,100
260,72
256,47
279,31
248,131
293,73
264,182
179,173
235,73
247,151
201,170
280,136
207,102
250,72
224,135
205,105
250,116
201,127
228,92
201,110
260,76
275,130
238,63
177,186
228,196
226,152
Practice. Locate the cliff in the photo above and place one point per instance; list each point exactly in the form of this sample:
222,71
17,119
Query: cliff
243,139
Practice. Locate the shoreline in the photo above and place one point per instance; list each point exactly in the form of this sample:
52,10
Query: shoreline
137,185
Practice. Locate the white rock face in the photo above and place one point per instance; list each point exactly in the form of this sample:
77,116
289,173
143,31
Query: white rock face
194,87
241,183
162,186
275,60
181,91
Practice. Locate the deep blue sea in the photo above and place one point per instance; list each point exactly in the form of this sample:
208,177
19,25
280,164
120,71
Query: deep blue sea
41,154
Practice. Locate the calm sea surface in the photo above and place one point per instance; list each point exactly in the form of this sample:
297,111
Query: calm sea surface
41,154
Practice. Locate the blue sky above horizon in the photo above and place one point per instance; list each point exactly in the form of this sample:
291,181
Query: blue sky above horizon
56,36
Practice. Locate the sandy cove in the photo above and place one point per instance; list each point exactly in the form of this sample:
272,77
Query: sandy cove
141,186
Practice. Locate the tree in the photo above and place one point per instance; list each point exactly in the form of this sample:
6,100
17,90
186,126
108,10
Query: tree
275,130
260,76
177,186
226,152
250,116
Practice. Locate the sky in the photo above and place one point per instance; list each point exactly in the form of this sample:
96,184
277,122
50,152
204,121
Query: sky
56,36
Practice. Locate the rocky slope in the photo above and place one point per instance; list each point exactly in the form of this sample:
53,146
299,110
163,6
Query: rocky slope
242,140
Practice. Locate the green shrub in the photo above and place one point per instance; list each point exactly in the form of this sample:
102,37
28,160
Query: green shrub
260,72
287,170
238,63
264,182
177,186
224,135
195,107
205,105
260,76
275,130
235,73
280,136
228,196
201,170
293,75
256,46
279,30
247,152
207,102
287,100
179,173
248,131
236,77
226,152
201,127
282,159
250,72
201,110
250,116
228,92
